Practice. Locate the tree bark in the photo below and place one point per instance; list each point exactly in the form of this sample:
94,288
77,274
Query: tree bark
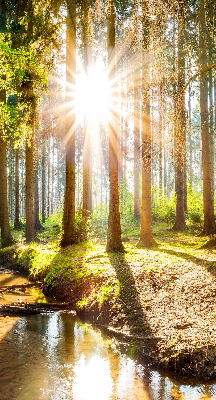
146,237
114,241
43,181
160,141
17,220
38,225
180,148
211,120
52,184
30,223
57,183
190,138
6,237
87,162
208,196
136,153
30,229
69,236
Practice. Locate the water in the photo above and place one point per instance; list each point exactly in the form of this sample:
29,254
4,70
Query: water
55,356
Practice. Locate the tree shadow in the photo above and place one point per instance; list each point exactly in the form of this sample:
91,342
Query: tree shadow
131,313
209,265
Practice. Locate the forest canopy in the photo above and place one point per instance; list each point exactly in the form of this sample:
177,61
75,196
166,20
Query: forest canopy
107,117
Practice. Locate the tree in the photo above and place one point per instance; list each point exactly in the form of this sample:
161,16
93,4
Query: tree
146,237
69,203
180,148
114,241
208,195
87,173
6,237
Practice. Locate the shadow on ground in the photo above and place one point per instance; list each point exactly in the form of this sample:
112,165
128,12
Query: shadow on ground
132,313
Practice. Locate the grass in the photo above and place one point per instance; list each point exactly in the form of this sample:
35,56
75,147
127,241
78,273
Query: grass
167,291
75,266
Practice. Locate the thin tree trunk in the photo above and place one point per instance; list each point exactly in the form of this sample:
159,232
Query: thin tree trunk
38,225
23,185
180,149
120,141
87,138
43,181
160,140
165,171
48,179
52,184
6,237
146,237
136,153
57,183
211,121
190,140
30,229
69,236
114,227
208,198
17,220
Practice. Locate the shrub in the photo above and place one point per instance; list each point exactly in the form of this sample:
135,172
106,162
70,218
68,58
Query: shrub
195,206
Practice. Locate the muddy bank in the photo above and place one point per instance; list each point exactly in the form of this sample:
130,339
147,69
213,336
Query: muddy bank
162,301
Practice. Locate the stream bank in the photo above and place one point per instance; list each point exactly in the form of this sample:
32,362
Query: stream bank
161,301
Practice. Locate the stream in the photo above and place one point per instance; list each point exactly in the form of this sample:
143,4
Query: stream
55,356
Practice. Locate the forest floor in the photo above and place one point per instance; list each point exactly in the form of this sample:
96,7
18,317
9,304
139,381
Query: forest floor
161,301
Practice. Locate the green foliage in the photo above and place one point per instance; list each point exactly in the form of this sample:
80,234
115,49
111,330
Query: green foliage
125,201
195,206
163,209
99,220
82,227
130,226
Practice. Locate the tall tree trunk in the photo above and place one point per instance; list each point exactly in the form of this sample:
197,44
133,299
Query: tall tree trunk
190,138
30,227
87,138
57,183
69,236
146,237
38,225
211,121
160,140
43,181
114,227
208,197
120,136
6,237
180,149
30,230
52,183
165,171
136,153
17,220
48,179
23,184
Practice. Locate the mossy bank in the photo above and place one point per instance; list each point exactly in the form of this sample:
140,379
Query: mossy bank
161,300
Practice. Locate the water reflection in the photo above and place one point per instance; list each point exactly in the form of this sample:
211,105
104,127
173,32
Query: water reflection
56,357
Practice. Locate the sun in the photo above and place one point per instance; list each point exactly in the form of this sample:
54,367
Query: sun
92,96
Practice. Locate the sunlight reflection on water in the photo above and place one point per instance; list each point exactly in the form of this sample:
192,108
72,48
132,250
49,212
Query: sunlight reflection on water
56,357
